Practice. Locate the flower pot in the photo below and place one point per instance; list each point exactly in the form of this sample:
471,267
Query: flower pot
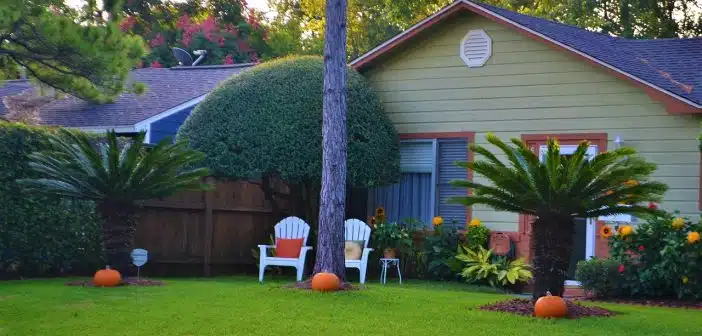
389,253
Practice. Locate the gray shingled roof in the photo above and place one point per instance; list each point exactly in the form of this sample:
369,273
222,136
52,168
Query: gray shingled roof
167,88
11,88
674,65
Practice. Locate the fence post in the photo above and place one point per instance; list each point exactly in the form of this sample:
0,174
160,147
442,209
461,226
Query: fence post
209,227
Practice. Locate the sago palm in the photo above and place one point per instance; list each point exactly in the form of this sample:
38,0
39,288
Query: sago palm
115,176
556,191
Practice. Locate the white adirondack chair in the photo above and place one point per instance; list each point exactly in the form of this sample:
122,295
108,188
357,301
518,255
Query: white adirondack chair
289,228
358,230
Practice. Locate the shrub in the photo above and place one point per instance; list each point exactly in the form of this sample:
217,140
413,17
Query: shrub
440,247
481,267
658,260
600,276
477,236
266,123
40,235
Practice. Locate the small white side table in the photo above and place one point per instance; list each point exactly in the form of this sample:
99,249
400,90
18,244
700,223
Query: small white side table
384,264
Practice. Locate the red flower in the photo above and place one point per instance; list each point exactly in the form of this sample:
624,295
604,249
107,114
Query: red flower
183,22
156,64
652,205
127,23
641,248
228,60
208,28
157,41
621,268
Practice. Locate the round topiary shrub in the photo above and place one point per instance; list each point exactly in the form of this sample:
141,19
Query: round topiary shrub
267,122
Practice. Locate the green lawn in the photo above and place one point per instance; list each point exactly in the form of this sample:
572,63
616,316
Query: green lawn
241,306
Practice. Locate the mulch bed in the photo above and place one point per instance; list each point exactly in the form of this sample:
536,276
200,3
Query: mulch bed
308,285
526,307
647,302
128,282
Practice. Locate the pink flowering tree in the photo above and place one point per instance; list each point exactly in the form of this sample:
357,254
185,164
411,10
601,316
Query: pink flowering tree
228,30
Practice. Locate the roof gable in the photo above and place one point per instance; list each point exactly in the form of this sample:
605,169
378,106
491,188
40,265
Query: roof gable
669,70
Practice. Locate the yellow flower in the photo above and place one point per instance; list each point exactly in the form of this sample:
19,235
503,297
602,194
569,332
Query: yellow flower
693,237
631,183
474,222
678,223
606,231
625,230
436,221
684,279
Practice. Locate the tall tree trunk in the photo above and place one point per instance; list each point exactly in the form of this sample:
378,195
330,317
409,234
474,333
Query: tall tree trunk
118,229
552,245
330,240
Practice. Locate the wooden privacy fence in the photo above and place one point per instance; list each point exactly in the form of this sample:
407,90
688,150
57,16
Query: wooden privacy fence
218,227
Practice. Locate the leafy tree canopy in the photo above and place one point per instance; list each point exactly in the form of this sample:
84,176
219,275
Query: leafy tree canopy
82,53
298,25
227,29
268,121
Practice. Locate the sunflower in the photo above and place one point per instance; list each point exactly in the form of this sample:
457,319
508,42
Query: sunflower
625,230
436,221
606,231
678,223
474,222
380,215
693,237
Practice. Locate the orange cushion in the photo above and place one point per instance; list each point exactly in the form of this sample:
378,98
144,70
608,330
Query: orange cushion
288,248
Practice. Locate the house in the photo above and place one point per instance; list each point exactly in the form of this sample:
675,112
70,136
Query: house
472,68
171,95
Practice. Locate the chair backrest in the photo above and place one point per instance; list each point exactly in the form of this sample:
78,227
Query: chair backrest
356,229
292,228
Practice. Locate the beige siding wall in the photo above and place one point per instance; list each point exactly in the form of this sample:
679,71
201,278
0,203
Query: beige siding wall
528,88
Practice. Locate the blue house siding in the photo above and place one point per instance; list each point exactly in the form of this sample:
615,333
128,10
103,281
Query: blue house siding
168,126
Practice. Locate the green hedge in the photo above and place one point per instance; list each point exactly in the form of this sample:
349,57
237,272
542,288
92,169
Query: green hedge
40,235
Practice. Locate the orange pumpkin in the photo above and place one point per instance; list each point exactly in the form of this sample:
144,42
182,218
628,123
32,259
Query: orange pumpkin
550,306
325,282
107,277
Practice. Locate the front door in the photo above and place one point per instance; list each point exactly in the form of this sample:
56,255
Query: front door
584,233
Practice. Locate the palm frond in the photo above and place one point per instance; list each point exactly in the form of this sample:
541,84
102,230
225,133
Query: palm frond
76,167
569,185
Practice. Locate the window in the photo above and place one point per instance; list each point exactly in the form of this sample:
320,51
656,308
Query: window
427,166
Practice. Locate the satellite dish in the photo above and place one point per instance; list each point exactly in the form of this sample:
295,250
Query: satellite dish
182,56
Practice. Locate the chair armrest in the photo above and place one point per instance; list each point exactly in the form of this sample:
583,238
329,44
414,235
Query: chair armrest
303,252
366,252
263,248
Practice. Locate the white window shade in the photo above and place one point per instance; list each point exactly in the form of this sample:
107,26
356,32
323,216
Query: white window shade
476,48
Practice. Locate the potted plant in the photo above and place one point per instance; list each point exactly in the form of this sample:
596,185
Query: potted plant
389,237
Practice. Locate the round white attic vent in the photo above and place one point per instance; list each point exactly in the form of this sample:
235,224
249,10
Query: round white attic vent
476,48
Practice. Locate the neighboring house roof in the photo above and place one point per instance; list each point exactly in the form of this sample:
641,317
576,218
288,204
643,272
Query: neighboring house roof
11,88
670,70
166,89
